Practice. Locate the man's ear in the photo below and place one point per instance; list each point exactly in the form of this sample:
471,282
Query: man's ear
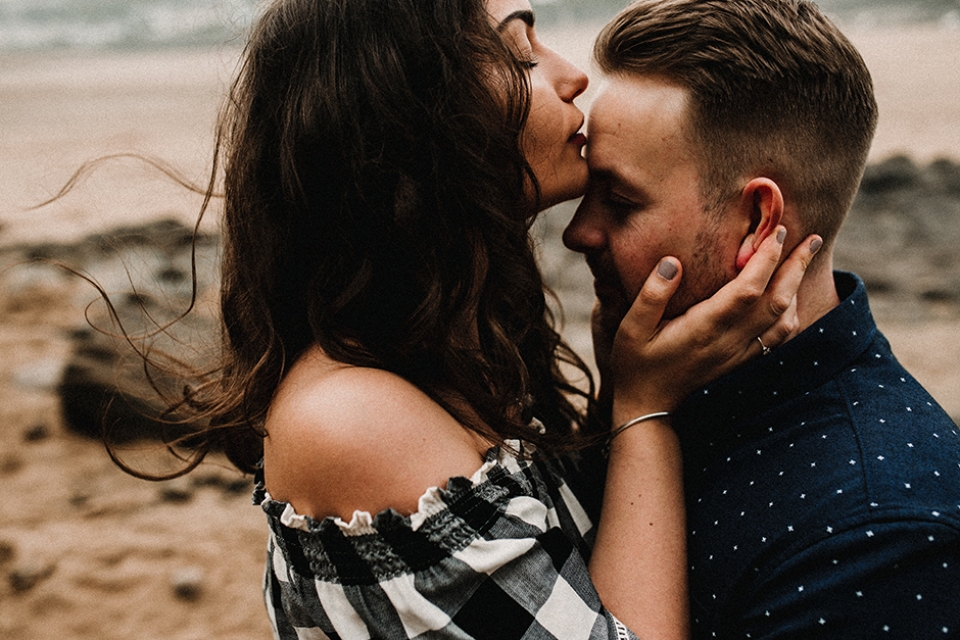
762,202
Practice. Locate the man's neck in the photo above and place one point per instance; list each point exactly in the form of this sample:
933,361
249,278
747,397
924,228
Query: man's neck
817,294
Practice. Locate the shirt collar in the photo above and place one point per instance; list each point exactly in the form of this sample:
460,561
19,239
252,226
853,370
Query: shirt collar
800,366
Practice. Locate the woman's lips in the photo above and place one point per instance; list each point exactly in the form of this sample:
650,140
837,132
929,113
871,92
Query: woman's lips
578,139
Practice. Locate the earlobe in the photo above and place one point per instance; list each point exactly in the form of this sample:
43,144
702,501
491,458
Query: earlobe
762,201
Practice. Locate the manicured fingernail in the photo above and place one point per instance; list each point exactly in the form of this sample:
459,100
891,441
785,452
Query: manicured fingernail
667,270
781,235
815,245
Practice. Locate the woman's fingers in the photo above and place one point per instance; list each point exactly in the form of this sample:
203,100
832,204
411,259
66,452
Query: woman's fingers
739,295
786,326
712,337
786,282
643,319
773,315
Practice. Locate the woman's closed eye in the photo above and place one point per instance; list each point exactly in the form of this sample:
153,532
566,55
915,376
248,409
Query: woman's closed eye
518,34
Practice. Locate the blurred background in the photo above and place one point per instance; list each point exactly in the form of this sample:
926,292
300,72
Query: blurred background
35,25
88,552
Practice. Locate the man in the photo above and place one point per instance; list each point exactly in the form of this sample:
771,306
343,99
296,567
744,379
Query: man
822,482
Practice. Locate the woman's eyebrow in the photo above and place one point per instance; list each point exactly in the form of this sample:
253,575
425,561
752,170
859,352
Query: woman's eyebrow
525,14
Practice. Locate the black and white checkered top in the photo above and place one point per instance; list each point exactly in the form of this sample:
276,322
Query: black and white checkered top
499,555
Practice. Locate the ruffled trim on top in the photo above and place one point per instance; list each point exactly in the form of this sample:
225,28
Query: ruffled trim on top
433,501
504,499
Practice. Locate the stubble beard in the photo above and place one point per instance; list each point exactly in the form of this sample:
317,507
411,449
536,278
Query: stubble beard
701,279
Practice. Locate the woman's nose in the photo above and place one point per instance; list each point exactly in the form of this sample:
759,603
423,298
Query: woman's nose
576,84
570,80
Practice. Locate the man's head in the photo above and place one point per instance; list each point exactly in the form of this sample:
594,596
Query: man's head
718,117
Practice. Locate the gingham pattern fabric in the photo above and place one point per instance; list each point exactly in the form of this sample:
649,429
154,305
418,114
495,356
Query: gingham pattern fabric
500,555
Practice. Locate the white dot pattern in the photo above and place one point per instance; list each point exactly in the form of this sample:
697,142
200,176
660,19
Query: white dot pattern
828,489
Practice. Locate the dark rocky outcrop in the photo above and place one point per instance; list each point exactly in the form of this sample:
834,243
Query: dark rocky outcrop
145,275
903,238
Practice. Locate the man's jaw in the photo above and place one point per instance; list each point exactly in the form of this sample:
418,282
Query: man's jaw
609,292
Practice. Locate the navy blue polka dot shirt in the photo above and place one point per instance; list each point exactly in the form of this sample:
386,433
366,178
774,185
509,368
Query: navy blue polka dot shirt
823,492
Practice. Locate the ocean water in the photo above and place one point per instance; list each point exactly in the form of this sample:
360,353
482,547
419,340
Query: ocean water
31,25
35,25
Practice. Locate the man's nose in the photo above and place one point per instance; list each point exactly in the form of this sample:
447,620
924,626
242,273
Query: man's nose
583,234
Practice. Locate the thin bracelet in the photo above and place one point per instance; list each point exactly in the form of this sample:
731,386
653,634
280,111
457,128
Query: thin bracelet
629,423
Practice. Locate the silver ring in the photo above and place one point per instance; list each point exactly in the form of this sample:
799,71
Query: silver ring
766,350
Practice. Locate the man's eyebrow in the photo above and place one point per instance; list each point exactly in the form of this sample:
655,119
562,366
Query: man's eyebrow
613,178
524,14
606,174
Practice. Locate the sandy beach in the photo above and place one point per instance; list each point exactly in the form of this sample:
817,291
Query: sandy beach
87,552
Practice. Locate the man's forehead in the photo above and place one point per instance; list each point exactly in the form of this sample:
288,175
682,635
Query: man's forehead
635,123
653,93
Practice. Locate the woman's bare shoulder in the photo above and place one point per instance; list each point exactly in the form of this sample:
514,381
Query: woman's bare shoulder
344,438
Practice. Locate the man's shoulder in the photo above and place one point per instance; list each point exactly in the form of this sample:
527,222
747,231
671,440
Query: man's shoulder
877,430
878,390
870,436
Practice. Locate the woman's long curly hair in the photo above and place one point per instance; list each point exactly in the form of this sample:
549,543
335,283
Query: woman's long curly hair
377,204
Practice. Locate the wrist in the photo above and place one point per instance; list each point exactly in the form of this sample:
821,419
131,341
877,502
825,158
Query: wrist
624,409
643,421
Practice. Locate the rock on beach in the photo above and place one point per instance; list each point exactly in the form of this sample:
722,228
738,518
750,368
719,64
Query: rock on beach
903,238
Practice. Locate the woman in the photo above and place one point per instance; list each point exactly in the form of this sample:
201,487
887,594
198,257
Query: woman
388,352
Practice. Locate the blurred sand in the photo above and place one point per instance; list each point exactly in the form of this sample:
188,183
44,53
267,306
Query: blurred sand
87,552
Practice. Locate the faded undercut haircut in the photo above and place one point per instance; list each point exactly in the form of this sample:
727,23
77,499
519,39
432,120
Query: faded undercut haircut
775,89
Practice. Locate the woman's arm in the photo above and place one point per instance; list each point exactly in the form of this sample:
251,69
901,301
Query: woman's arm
639,561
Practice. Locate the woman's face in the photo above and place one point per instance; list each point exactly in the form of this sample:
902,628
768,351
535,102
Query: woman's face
552,140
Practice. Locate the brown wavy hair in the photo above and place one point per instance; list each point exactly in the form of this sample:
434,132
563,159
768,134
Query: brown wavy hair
376,203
